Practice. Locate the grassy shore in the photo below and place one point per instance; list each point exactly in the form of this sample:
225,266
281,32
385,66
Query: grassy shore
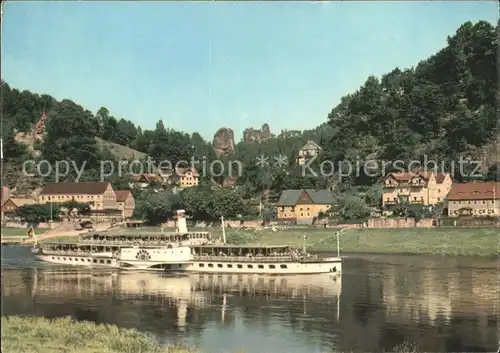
41,335
437,241
63,335
442,241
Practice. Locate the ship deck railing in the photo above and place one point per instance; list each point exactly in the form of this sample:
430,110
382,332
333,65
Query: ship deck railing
135,243
277,258
72,253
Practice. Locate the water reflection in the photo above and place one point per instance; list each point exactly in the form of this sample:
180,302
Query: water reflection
441,304
180,292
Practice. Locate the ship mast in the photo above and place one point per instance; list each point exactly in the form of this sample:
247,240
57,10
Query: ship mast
338,241
223,230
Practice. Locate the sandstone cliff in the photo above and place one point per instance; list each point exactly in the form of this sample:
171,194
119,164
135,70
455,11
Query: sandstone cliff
254,135
223,142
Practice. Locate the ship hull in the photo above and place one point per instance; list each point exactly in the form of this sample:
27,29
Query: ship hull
330,265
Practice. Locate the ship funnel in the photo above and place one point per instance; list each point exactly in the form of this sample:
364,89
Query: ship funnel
181,222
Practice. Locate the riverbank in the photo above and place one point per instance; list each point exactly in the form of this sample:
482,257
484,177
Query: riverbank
482,242
41,335
434,241
63,335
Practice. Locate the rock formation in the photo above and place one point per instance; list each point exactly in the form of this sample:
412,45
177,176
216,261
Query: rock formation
223,142
254,135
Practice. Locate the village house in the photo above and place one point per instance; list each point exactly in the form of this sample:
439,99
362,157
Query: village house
308,151
5,194
125,202
98,195
303,205
10,206
187,177
474,199
424,188
145,180
39,128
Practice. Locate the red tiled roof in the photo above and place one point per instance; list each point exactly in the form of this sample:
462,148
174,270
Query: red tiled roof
407,176
19,202
4,192
183,171
149,177
475,191
229,181
121,195
87,187
402,176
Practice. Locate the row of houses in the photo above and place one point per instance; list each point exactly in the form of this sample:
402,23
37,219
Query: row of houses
430,189
189,177
302,206
103,201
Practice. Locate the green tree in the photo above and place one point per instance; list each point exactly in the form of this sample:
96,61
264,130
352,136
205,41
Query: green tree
35,214
70,136
353,208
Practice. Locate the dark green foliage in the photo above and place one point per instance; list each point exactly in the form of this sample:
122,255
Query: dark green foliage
439,108
204,203
35,214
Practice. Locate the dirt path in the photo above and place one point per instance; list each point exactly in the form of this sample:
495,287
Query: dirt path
58,232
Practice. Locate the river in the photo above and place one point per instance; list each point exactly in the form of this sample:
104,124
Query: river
440,304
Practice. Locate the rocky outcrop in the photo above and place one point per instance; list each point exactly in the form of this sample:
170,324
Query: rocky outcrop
254,135
223,142
289,133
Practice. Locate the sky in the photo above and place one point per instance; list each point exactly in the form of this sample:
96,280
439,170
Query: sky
203,66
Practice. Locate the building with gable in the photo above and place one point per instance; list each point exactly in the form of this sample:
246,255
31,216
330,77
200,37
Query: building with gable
304,205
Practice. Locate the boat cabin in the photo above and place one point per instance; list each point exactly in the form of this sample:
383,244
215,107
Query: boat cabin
245,251
144,238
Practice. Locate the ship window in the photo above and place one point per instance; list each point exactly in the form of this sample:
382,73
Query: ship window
229,266
53,258
219,265
272,266
82,260
239,266
250,266
108,261
260,266
88,260
95,260
101,261
210,265
283,266
64,258
201,265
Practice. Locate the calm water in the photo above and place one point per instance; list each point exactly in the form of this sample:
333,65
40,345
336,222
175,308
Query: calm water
440,304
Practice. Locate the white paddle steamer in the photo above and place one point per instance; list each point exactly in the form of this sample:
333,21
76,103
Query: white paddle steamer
152,251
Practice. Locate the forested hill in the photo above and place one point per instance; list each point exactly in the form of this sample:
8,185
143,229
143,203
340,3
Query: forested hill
443,108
